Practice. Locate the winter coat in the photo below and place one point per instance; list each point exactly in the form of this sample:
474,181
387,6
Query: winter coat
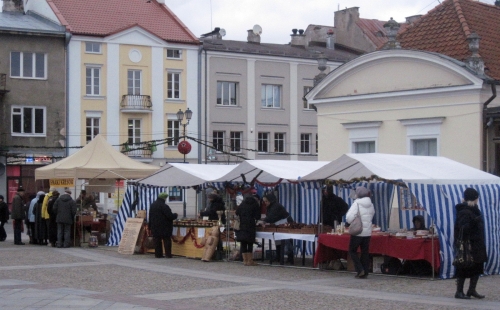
65,208
249,213
50,206
471,220
4,212
31,214
217,204
45,214
366,210
161,219
334,208
18,208
275,211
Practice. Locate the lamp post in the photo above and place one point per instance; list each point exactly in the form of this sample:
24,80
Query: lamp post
184,147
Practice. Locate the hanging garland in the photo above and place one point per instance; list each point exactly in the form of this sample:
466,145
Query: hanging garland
190,233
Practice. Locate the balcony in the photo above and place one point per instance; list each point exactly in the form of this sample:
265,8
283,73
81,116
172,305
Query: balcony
136,104
3,84
139,150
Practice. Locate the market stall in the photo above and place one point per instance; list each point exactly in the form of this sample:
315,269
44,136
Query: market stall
437,184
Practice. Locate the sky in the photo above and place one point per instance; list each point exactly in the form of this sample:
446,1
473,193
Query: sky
277,18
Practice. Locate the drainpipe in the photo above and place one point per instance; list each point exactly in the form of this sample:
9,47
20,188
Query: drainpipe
485,127
67,38
206,105
200,50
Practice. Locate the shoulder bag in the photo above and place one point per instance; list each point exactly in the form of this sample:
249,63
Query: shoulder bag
463,252
356,226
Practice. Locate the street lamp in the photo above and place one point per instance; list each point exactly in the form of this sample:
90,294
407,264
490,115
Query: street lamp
184,147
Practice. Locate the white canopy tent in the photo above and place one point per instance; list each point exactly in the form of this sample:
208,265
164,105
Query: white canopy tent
437,183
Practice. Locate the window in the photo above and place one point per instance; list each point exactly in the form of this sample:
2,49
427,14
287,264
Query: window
305,142
173,132
93,47
263,142
279,143
218,141
28,65
28,121
226,93
92,81
236,141
364,147
424,147
91,128
134,82
174,85
271,96
175,194
134,131
307,106
176,54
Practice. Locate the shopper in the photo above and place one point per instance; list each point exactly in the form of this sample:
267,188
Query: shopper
52,229
364,206
40,232
277,214
161,225
4,218
18,215
31,216
248,212
65,210
470,221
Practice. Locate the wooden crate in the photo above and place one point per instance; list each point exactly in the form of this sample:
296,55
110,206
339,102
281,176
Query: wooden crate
308,230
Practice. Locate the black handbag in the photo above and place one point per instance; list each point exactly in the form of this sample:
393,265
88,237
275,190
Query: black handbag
463,253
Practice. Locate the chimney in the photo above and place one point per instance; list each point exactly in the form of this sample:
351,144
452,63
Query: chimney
298,39
412,19
161,1
475,62
497,2
330,39
392,28
253,37
13,6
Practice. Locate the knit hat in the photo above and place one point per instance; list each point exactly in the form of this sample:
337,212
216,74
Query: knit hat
362,192
163,195
470,194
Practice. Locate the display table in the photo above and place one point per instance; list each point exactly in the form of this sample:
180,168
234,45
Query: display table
81,229
409,249
276,236
186,241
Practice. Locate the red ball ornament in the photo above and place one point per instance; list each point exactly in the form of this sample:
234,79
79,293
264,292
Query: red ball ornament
184,147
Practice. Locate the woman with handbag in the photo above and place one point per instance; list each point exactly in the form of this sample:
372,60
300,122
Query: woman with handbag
361,210
469,227
248,212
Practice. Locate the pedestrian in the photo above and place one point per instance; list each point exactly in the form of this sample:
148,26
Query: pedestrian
161,224
364,206
65,210
18,215
4,218
40,232
52,231
470,221
248,212
31,217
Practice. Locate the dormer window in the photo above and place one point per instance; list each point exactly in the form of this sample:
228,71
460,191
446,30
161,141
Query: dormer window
93,47
174,54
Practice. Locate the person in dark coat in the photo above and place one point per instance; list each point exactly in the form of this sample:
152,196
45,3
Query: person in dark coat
4,218
40,235
249,213
18,215
52,218
277,214
333,207
216,204
470,221
65,209
161,225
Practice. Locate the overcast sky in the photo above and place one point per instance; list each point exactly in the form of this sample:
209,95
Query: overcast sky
278,17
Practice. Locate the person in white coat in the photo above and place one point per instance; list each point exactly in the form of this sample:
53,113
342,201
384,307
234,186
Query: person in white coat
364,205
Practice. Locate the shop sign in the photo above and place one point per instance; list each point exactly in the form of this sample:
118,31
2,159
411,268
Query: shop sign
62,182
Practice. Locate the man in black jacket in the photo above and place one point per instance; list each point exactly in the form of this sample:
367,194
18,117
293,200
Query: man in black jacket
161,225
65,208
18,215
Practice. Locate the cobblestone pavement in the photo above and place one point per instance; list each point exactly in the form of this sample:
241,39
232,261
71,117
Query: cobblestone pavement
41,277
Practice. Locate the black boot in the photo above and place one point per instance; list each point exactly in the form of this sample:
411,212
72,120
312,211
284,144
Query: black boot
472,288
460,289
277,258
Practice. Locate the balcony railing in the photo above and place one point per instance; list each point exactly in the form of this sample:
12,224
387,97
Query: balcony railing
3,84
136,102
139,150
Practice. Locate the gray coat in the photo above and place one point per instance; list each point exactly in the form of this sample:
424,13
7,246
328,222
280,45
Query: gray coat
65,208
18,208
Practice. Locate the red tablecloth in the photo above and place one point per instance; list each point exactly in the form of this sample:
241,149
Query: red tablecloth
411,249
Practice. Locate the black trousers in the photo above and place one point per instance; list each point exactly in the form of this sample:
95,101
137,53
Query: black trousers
246,247
362,264
3,234
18,227
160,243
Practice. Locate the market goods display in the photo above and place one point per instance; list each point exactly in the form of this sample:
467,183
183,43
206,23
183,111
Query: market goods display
294,228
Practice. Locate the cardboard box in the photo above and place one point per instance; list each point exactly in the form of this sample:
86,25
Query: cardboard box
377,262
